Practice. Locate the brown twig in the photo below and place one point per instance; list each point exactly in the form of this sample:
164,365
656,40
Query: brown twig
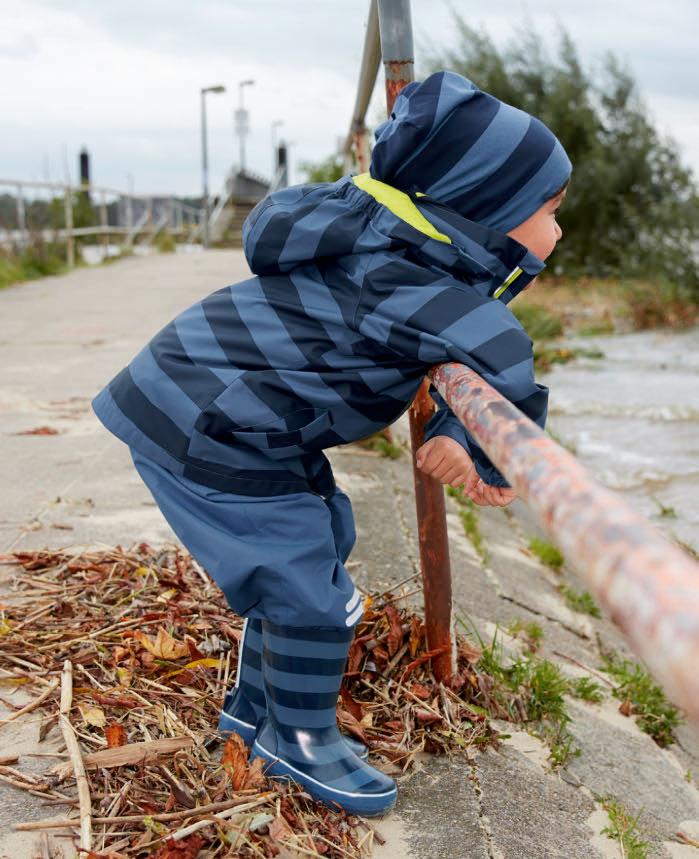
32,705
73,748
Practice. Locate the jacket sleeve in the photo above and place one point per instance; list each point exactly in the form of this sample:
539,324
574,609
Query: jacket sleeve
444,320
445,422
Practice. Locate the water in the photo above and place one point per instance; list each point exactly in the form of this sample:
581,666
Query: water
633,417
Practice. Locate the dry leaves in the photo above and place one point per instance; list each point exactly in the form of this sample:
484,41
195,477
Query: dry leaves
154,647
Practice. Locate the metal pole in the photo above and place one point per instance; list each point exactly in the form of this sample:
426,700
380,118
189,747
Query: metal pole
360,147
241,136
396,36
371,58
204,170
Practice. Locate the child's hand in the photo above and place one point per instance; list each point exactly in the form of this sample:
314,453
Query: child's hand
491,496
446,459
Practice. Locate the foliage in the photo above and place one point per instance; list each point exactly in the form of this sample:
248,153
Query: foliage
329,170
36,259
165,242
632,208
547,553
641,695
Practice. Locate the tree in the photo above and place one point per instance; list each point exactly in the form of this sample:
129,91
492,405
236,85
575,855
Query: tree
632,208
329,170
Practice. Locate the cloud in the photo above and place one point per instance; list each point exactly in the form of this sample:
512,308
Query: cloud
124,78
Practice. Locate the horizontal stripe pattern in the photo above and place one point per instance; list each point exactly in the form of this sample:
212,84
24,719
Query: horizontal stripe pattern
303,669
347,307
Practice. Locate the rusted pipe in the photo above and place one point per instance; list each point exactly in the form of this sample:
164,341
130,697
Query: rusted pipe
647,585
397,54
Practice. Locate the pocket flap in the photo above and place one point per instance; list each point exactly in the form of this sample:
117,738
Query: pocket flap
294,429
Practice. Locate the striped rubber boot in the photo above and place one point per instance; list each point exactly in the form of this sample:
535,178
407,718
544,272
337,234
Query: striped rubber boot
245,703
302,669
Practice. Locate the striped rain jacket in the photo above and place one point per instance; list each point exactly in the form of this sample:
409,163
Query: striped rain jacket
357,289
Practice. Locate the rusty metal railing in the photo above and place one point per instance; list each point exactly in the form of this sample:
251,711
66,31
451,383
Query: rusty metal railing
647,585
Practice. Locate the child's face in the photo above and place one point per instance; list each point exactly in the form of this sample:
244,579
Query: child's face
540,232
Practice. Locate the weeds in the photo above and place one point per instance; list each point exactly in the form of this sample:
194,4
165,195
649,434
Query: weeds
622,829
533,633
664,511
538,322
165,242
379,443
582,602
468,514
642,697
547,553
37,259
586,689
530,690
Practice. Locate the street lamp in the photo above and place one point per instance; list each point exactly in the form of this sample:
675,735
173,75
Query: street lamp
205,158
275,125
241,121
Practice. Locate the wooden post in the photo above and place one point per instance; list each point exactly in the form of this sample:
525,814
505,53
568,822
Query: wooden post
68,205
21,217
104,224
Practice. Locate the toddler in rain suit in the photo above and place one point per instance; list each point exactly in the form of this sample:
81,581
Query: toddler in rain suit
359,286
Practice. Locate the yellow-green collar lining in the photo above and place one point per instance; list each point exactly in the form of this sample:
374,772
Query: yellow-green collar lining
403,207
400,204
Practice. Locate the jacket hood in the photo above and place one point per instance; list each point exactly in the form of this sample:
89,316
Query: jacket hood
484,158
318,222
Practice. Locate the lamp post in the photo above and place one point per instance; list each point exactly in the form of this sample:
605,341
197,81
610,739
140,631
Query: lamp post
241,121
275,165
205,158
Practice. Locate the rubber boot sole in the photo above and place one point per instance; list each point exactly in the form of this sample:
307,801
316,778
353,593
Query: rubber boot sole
353,802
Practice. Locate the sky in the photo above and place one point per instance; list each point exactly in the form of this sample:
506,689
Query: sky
124,78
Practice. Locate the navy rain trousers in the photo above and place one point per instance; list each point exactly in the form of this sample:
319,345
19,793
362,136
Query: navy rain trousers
275,557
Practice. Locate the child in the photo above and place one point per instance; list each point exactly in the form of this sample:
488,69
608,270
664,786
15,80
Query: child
359,287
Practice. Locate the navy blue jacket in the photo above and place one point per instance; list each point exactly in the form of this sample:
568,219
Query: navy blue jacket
357,289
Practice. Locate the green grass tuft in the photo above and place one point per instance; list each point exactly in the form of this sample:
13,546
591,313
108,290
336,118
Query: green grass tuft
656,715
582,602
468,513
547,553
621,829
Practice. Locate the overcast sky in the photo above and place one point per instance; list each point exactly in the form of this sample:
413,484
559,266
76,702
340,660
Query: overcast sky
123,77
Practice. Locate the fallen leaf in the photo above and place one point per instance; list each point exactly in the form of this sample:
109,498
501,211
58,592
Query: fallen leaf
116,736
348,702
235,762
124,676
38,431
93,715
164,646
187,848
279,829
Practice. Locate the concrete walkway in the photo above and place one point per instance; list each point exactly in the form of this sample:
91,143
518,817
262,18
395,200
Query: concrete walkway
63,338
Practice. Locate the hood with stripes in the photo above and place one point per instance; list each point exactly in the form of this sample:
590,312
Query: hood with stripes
357,288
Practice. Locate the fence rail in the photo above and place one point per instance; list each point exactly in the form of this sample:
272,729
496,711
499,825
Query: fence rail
121,215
